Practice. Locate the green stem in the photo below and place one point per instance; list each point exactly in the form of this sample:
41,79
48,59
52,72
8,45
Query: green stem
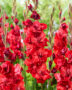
41,86
34,84
24,73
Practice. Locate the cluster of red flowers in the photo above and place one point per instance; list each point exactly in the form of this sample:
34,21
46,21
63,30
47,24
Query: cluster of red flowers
2,46
34,14
60,46
10,77
11,49
12,45
14,39
63,59
35,42
64,78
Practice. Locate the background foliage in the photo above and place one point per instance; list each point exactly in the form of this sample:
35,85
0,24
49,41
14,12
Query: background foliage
44,9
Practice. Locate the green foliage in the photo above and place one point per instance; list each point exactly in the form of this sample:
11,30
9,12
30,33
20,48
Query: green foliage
44,9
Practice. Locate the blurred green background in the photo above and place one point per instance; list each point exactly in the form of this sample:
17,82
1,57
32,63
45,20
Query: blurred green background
44,9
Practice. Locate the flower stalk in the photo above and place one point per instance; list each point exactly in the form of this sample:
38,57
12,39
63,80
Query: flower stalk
14,9
51,31
70,25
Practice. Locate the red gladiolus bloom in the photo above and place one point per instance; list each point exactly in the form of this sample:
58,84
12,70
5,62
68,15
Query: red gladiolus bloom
1,20
7,25
30,7
16,21
2,46
64,77
60,45
10,77
11,26
27,23
35,42
6,17
14,39
35,15
63,59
